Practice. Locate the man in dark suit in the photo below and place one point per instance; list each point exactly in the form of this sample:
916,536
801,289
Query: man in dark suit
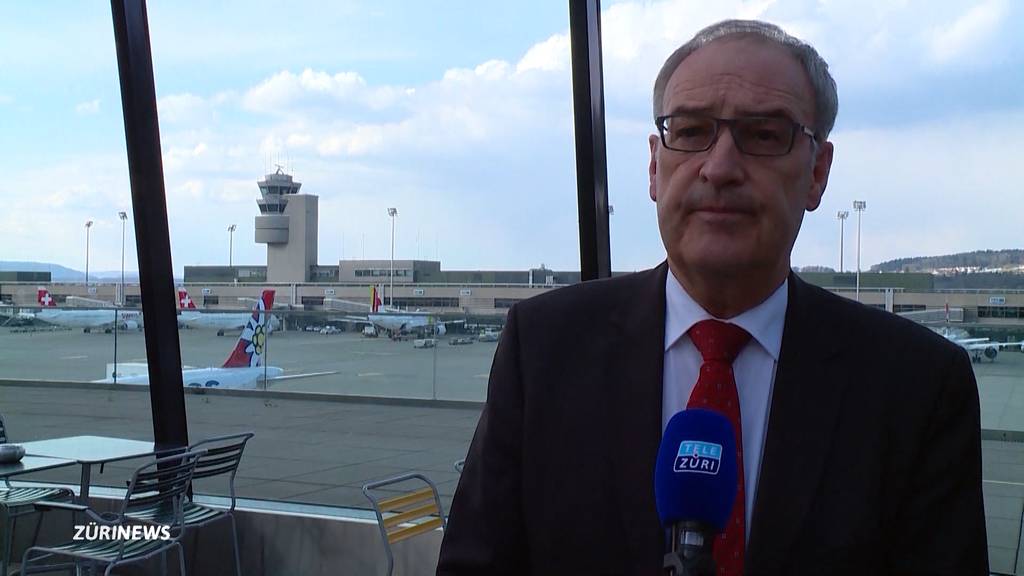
859,430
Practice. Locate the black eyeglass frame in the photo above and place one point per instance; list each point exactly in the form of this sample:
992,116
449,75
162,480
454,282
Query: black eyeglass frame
730,123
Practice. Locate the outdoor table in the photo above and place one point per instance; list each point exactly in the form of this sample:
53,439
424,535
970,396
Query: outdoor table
32,464
89,450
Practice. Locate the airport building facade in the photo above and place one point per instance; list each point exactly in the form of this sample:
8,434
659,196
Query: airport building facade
423,285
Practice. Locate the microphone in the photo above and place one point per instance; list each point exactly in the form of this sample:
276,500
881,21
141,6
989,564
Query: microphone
695,487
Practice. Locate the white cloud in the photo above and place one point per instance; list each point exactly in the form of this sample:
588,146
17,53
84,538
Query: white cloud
961,38
87,108
551,55
6,99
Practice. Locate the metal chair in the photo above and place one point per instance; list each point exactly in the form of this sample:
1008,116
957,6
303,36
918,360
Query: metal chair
17,501
220,455
459,465
161,484
408,514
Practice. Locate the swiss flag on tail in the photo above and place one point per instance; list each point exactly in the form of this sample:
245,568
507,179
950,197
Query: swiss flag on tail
184,302
44,299
252,343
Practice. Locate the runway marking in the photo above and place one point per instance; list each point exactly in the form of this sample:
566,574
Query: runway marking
73,357
485,375
362,374
376,353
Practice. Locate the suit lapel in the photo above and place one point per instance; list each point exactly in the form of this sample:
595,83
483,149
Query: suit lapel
634,371
805,402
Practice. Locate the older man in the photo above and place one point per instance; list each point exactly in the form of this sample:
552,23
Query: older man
859,439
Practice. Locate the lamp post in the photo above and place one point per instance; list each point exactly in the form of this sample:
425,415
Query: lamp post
842,215
231,245
391,288
124,217
859,206
88,225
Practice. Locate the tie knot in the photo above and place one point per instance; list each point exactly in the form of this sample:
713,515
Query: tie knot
718,340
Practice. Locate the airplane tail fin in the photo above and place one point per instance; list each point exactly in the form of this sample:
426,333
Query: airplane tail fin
374,299
184,302
252,343
43,298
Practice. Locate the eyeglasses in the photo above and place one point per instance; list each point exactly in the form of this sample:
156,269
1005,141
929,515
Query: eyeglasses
753,135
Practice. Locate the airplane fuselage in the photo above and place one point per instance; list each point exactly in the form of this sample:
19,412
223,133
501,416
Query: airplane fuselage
247,377
89,318
214,320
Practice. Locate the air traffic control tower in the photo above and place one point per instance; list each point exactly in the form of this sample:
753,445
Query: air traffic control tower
287,224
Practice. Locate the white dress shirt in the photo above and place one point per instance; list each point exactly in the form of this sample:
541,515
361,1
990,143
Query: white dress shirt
754,368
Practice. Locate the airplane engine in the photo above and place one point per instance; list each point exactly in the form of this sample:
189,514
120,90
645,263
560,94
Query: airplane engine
991,353
441,330
129,325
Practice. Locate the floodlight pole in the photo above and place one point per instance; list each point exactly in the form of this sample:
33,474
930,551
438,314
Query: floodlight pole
391,288
231,245
88,226
124,217
842,215
859,206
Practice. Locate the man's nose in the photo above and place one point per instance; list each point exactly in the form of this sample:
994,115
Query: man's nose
723,165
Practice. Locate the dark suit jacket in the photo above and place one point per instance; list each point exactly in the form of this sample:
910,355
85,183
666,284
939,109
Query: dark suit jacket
871,464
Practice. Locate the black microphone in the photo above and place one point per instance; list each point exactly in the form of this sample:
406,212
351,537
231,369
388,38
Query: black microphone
695,486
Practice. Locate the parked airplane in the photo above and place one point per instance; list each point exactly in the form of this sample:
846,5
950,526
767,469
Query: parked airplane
243,368
392,321
977,347
87,320
192,317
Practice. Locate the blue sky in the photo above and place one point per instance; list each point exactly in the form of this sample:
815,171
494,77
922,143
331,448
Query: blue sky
459,115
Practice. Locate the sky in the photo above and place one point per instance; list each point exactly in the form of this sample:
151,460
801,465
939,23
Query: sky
459,114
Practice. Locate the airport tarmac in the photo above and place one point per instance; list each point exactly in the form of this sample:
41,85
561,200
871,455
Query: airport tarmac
355,364
350,364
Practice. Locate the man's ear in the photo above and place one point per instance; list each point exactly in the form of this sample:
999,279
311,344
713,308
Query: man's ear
819,176
652,168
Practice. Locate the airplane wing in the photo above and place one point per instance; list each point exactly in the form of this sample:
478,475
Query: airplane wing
89,302
345,305
985,345
306,375
353,320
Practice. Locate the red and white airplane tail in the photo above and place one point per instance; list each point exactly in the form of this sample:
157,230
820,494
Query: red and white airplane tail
44,299
184,302
374,300
252,343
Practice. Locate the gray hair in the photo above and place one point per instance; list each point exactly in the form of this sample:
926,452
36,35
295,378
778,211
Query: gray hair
826,100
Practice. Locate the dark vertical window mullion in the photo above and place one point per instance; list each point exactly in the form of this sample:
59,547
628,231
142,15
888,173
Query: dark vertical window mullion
149,207
591,156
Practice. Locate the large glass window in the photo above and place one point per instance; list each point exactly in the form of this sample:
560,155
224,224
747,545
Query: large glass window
70,316
397,176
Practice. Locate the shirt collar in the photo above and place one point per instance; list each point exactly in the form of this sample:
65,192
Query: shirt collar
764,322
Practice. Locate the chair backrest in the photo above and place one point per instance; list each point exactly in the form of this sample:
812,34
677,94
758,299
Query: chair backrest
409,513
221,455
3,430
162,484
459,465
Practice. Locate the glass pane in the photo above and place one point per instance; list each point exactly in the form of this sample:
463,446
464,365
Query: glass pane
421,153
69,294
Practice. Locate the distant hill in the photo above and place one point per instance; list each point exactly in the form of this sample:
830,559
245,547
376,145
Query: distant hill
57,272
991,261
60,273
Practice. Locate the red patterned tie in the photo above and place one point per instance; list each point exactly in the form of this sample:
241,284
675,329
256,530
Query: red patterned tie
719,343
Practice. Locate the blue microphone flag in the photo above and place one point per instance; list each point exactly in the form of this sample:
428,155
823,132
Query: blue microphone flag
695,477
